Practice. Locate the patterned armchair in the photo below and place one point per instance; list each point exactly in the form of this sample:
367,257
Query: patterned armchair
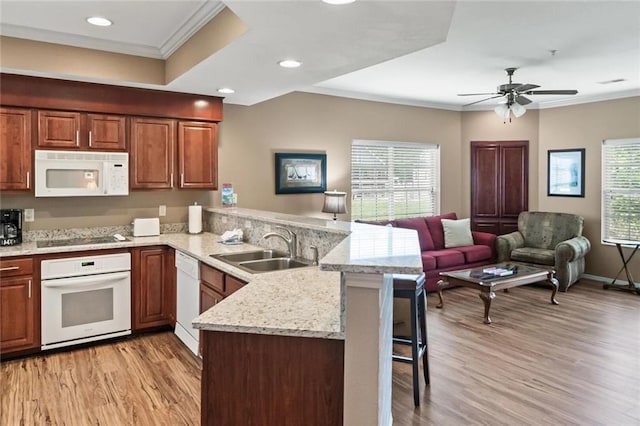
552,239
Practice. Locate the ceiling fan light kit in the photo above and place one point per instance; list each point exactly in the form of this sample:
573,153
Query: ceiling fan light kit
515,99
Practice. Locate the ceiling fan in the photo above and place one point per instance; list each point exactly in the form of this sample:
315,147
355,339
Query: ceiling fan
515,92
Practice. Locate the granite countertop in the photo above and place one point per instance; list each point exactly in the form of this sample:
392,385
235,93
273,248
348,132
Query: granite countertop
303,302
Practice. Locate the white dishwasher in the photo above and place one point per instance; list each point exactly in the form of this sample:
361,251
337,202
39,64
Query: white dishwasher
188,299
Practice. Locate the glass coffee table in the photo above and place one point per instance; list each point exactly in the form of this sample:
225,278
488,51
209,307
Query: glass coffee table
488,283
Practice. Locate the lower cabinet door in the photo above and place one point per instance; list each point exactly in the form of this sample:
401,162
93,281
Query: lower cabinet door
19,325
153,287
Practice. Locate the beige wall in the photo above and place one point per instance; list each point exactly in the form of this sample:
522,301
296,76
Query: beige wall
85,212
302,122
586,126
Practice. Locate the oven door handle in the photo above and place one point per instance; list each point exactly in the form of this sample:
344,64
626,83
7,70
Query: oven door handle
95,281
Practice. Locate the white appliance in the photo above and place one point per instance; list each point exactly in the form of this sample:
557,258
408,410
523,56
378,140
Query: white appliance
188,300
146,227
85,299
78,174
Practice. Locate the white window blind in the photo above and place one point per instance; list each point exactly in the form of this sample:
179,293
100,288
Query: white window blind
621,189
394,180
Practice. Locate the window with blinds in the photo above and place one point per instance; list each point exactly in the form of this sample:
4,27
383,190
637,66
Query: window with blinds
394,180
621,189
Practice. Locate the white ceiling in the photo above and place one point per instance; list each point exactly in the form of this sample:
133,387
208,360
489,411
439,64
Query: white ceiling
409,52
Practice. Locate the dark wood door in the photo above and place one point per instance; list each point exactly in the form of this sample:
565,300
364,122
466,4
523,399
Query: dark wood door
499,185
59,129
198,155
15,149
19,306
107,132
153,288
152,149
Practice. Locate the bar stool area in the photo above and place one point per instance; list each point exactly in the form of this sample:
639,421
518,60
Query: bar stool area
411,287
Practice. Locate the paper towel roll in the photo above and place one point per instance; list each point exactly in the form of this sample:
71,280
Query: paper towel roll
195,219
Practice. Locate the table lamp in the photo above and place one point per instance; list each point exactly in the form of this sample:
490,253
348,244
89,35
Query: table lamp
335,202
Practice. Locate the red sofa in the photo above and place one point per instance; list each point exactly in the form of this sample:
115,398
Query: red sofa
435,257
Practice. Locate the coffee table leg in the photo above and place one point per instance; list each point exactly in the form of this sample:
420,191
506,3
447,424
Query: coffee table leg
553,281
441,284
487,297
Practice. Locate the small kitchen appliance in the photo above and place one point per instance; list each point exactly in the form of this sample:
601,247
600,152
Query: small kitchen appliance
11,227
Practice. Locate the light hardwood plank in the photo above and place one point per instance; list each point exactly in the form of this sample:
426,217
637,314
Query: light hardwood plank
577,363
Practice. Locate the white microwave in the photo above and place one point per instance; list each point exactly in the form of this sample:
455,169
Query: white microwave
81,173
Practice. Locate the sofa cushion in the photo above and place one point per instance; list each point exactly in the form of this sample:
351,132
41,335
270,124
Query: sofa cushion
457,233
428,262
434,223
476,253
534,255
418,223
447,257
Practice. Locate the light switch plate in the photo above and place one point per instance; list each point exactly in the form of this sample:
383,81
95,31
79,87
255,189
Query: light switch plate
29,215
162,211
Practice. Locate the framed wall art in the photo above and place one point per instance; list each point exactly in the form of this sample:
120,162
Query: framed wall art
565,172
301,173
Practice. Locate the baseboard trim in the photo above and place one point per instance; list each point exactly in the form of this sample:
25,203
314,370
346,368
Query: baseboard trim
606,280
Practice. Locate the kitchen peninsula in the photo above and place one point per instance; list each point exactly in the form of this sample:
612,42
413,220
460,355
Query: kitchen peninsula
294,358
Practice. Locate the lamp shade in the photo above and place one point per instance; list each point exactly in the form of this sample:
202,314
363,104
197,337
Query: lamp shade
335,202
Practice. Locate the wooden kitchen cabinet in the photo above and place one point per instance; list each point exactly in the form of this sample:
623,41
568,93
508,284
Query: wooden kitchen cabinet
198,155
152,153
20,306
15,149
215,285
74,130
153,287
167,154
232,284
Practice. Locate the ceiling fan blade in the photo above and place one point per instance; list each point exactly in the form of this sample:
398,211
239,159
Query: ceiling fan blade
522,100
482,100
477,94
526,87
551,92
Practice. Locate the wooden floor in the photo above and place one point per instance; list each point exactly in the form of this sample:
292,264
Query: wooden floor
577,363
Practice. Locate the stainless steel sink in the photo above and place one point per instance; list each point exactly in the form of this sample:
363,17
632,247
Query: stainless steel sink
261,260
249,255
268,265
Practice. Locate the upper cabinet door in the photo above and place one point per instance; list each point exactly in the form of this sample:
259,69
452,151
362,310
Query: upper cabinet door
107,132
152,153
198,155
58,129
15,149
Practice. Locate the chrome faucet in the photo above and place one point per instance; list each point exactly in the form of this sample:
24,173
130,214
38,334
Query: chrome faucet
291,240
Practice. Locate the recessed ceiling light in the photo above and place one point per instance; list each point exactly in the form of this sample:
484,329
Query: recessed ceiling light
226,90
289,63
98,21
338,2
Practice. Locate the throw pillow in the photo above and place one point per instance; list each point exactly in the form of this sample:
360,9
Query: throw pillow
457,233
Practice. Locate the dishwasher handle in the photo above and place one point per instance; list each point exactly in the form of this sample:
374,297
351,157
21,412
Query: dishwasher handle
86,282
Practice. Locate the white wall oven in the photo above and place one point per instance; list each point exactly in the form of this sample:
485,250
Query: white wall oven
85,299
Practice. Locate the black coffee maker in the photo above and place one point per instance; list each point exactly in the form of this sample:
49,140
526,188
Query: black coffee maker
10,227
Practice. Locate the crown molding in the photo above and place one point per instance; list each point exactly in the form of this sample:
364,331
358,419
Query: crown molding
191,26
56,37
589,98
200,18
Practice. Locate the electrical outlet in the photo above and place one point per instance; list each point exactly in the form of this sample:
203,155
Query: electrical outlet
224,219
29,215
247,224
162,211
